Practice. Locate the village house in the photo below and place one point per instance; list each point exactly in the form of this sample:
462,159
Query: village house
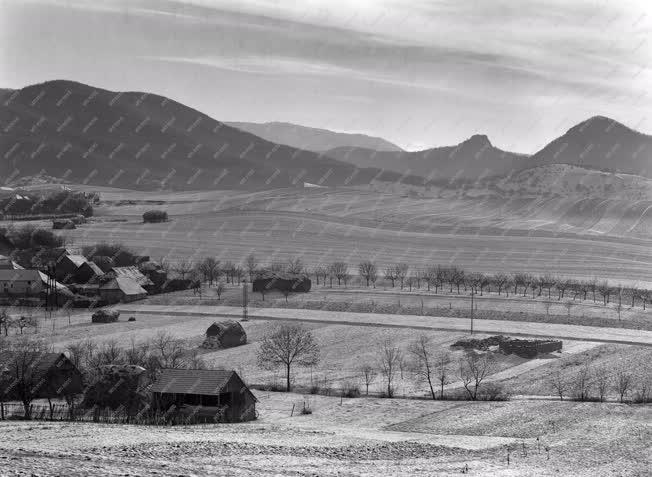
121,289
67,265
15,283
205,394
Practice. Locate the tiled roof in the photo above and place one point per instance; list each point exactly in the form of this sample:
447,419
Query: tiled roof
207,382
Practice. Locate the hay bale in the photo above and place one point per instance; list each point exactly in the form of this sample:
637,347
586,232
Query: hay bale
66,224
105,316
224,334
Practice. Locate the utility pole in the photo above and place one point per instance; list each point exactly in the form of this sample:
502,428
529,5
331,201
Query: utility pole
245,300
472,306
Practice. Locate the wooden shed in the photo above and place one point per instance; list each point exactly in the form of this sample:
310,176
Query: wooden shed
40,375
206,394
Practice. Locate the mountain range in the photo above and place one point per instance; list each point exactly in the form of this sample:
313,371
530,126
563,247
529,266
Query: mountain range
144,141
134,140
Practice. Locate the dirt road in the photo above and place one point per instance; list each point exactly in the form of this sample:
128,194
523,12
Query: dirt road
512,328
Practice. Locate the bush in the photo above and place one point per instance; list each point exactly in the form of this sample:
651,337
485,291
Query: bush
63,224
119,255
132,318
350,390
105,316
155,216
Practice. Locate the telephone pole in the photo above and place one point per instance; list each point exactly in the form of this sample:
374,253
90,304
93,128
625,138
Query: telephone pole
472,306
245,300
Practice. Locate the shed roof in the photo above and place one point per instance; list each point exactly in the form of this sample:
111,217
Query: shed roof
124,284
206,382
133,273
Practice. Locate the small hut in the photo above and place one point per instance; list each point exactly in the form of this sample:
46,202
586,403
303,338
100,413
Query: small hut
292,282
203,394
224,334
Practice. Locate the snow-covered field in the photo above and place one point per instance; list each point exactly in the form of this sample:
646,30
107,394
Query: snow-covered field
364,436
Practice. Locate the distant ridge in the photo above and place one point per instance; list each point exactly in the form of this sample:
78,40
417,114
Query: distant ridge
136,140
313,139
473,158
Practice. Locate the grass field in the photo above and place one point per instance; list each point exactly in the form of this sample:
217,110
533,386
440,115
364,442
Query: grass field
559,236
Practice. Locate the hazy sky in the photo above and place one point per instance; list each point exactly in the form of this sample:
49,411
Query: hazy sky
419,73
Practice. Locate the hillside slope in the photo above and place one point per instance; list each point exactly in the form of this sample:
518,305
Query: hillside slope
313,139
143,141
600,143
474,158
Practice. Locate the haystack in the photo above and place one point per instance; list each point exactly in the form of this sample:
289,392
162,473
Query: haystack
224,334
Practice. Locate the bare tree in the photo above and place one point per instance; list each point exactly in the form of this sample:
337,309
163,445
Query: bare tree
500,280
209,268
390,274
601,379
252,266
369,272
623,380
20,378
219,289
442,363
559,383
286,346
295,265
423,361
474,368
182,268
368,373
340,271
390,360
583,383
402,272
605,291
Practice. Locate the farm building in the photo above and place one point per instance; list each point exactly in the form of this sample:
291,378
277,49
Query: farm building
42,375
204,393
281,282
67,266
224,334
133,273
87,272
121,289
22,282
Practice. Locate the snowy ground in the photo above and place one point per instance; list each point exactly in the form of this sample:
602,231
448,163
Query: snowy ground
355,437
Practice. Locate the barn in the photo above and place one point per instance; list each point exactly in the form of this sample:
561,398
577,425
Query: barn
87,272
42,375
291,282
67,266
121,289
205,394
133,273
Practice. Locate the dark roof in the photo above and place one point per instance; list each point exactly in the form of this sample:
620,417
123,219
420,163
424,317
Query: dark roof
94,268
207,382
40,363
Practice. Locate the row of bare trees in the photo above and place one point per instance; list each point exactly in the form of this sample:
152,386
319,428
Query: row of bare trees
595,384
455,279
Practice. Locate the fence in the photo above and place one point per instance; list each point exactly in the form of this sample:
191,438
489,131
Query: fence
64,412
